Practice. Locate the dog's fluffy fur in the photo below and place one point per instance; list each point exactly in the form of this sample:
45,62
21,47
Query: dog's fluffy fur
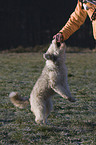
53,79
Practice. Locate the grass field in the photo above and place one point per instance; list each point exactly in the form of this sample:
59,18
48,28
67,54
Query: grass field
68,123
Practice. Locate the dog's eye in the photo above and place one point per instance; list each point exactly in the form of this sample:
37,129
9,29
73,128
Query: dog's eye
46,56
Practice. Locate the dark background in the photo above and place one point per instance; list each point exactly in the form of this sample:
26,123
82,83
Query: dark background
34,22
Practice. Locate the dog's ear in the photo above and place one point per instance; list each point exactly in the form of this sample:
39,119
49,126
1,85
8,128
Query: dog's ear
54,58
46,56
50,57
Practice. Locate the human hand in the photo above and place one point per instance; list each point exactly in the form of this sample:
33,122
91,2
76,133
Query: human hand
59,38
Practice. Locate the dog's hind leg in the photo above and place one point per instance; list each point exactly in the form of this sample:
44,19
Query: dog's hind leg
40,117
49,107
39,112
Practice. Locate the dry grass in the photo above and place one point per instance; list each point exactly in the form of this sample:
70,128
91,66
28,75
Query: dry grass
69,123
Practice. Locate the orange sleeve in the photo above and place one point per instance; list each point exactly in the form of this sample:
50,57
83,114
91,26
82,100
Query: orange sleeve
76,19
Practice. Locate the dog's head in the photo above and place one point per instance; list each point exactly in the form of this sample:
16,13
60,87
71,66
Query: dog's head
55,51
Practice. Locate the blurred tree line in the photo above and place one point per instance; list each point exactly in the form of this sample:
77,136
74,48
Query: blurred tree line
33,22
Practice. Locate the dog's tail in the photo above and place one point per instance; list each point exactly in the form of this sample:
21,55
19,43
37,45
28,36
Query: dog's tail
17,100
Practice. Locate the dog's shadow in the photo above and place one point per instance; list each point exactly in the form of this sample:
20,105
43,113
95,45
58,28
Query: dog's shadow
47,131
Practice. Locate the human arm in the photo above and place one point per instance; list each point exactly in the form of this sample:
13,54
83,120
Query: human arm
76,19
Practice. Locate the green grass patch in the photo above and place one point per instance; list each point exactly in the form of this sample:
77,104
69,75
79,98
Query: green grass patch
68,123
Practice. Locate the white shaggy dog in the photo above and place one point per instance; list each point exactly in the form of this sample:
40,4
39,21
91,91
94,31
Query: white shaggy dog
53,79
